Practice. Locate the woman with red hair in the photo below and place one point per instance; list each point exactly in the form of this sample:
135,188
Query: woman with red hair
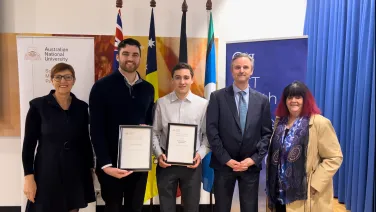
304,155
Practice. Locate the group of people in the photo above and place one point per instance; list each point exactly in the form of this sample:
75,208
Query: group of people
235,125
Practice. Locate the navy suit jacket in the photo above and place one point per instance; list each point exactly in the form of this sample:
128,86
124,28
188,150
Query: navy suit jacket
224,132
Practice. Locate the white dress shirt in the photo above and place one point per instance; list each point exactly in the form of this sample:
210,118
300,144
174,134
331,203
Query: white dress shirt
170,109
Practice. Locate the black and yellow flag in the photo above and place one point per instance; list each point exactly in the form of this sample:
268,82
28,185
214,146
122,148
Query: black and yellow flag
151,66
152,77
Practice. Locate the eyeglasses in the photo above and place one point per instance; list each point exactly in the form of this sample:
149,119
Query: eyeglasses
58,78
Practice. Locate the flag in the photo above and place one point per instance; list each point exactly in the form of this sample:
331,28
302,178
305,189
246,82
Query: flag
183,55
151,64
210,86
118,38
152,77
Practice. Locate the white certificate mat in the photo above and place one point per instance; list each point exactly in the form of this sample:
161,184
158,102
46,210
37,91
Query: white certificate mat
181,144
135,148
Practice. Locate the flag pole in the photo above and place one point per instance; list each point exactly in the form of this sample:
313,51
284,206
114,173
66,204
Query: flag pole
184,6
184,9
209,6
183,53
119,3
153,4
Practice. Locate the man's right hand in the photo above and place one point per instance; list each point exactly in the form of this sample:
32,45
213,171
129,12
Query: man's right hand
233,164
117,173
162,158
30,187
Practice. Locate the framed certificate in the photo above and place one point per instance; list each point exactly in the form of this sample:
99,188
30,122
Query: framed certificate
181,144
135,148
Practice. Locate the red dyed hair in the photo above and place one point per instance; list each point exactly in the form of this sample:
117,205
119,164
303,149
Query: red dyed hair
297,89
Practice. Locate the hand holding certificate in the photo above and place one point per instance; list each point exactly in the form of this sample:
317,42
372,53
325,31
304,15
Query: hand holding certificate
181,144
135,148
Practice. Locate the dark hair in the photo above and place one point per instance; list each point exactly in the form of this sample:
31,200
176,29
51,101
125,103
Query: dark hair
130,42
297,89
182,66
62,67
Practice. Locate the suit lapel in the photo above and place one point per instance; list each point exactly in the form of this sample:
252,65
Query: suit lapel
251,108
232,105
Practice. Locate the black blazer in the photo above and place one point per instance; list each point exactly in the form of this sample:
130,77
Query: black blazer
224,132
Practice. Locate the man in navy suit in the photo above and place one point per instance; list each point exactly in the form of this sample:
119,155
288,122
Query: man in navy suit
239,128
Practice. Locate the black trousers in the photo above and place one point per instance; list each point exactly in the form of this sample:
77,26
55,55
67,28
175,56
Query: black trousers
224,184
280,208
190,186
130,189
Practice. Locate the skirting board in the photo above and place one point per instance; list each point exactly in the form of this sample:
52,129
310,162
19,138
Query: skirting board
155,208
10,208
147,208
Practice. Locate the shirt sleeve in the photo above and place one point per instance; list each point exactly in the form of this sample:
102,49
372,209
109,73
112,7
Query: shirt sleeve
204,146
157,130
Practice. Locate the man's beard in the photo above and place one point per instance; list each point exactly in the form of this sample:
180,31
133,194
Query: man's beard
124,68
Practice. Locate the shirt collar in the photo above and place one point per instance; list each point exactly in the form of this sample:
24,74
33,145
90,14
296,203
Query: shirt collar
136,79
237,90
174,97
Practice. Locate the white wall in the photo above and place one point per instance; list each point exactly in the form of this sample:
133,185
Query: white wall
233,20
10,178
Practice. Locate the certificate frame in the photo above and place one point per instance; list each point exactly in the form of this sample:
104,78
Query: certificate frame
168,143
148,130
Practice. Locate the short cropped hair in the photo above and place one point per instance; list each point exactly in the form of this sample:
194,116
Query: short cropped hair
62,67
130,42
182,66
241,54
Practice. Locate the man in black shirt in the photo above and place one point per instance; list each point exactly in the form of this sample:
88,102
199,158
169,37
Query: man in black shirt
122,98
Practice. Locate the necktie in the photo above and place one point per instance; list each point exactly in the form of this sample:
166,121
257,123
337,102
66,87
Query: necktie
243,108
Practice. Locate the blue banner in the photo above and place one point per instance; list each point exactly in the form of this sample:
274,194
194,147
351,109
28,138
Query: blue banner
277,64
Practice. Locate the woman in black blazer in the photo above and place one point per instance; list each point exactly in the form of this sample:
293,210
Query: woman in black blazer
59,178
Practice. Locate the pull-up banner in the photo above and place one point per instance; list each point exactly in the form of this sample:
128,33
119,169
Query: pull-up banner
277,63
